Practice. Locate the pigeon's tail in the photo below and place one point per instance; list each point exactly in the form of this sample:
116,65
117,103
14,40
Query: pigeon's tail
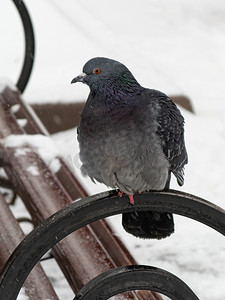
148,224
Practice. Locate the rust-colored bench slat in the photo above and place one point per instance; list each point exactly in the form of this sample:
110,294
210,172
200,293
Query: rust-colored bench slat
37,286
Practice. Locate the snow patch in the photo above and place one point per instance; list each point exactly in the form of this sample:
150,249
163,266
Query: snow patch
22,295
43,144
15,108
22,122
33,170
4,83
55,165
21,151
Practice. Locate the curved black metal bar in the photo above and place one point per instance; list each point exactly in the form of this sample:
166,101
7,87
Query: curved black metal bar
29,45
93,208
129,278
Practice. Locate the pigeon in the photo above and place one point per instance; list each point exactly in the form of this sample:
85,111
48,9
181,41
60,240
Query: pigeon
131,138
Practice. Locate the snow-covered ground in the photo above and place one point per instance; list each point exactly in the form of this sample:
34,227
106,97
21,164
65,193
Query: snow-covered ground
175,46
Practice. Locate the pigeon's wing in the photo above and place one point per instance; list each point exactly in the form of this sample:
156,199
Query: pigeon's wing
171,133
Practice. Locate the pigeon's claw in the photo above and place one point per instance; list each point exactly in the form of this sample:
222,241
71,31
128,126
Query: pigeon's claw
131,197
120,194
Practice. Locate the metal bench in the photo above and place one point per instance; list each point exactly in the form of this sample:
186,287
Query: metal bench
74,230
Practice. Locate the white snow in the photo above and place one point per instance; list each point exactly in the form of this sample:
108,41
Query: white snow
33,170
175,46
4,83
55,165
22,122
43,144
21,151
15,108
22,295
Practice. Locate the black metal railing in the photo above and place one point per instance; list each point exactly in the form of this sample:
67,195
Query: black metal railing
29,45
93,208
135,277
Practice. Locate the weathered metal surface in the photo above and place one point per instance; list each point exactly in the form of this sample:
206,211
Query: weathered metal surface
135,277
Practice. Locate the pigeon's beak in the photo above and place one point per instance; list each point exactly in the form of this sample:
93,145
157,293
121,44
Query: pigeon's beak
79,78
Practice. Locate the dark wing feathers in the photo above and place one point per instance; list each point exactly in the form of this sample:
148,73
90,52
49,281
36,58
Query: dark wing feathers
171,133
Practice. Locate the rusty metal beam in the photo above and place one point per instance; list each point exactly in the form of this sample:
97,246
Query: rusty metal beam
37,286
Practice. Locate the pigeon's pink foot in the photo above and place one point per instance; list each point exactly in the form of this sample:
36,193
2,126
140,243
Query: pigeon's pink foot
131,197
139,192
120,194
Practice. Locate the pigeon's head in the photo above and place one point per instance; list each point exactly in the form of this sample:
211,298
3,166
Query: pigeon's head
101,72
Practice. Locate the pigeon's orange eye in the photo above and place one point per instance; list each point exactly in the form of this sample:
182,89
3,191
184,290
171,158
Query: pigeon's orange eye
96,71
